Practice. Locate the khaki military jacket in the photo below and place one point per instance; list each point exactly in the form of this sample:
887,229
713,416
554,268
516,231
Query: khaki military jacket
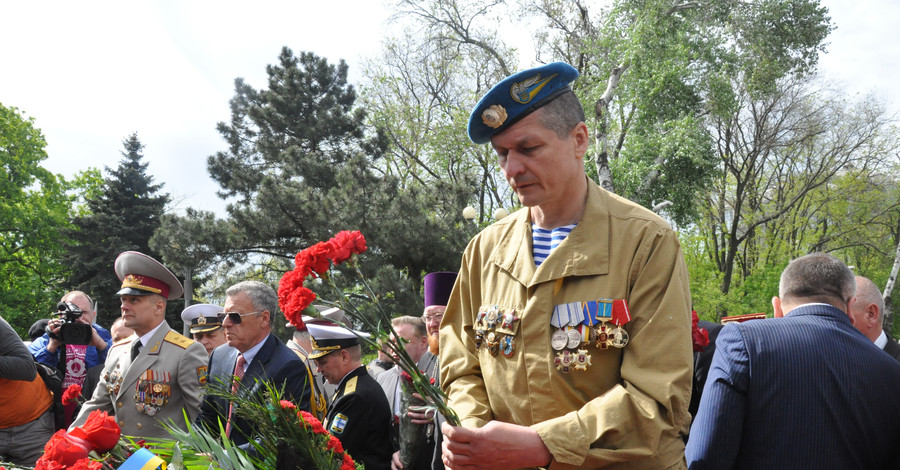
164,379
628,407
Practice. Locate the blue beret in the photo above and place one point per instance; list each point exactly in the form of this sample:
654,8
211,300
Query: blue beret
517,96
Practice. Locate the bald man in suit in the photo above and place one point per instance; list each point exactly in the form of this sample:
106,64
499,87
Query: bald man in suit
802,390
868,316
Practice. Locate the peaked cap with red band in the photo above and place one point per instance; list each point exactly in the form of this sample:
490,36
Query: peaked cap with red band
143,275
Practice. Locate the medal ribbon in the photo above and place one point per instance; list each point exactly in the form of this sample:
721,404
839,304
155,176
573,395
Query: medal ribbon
620,313
604,309
557,318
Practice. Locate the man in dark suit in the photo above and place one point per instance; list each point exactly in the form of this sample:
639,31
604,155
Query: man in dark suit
702,360
359,415
251,356
803,391
868,316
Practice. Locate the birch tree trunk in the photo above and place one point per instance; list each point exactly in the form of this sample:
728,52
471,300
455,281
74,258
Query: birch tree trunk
888,322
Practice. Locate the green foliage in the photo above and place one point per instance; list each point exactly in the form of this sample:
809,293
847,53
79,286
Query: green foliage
121,217
33,215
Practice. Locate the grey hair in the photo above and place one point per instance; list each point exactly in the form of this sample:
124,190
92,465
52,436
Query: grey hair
260,294
817,277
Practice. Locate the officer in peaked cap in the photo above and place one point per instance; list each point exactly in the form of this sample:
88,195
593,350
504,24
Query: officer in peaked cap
548,297
359,416
301,344
205,326
151,376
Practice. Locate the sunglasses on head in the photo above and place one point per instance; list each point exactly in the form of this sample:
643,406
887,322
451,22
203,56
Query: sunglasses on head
235,317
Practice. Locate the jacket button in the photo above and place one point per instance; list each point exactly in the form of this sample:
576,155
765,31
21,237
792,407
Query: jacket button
139,426
121,423
119,404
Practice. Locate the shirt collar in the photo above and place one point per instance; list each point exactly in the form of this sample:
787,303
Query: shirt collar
251,353
882,340
146,338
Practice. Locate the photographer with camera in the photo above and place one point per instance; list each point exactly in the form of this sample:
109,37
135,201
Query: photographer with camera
73,342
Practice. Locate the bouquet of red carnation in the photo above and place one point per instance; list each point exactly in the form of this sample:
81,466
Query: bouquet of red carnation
295,299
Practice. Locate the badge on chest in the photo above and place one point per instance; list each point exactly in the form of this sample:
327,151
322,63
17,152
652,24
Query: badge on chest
578,325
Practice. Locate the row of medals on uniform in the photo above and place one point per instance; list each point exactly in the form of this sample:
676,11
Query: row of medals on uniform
496,331
151,392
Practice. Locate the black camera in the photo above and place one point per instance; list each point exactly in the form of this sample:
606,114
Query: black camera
72,331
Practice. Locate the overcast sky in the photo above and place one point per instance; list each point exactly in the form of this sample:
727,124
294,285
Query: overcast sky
91,73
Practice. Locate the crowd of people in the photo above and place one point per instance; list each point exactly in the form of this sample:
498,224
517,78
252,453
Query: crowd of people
563,341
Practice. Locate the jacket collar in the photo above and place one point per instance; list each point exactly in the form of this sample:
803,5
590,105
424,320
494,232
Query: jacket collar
585,252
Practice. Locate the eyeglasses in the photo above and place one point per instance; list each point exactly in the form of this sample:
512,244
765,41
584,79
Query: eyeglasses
429,318
235,317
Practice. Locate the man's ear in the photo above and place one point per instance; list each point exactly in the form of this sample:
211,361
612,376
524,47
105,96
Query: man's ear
582,139
776,307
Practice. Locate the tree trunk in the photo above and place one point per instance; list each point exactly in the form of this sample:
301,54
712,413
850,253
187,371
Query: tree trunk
888,322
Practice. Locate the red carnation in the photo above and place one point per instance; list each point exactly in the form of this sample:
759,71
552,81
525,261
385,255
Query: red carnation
699,336
312,422
286,405
86,464
335,445
348,463
345,244
405,376
45,463
315,257
293,297
70,396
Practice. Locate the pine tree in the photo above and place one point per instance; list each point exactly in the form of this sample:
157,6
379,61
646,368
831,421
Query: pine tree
122,218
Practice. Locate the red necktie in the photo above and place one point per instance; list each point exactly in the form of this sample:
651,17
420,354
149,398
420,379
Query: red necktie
238,375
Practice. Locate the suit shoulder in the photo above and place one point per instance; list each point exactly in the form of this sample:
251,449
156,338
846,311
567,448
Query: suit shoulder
178,339
123,342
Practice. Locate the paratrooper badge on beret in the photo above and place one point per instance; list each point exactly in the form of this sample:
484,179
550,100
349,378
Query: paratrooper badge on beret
518,96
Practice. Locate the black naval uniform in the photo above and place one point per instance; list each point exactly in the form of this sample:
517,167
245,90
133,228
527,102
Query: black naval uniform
360,418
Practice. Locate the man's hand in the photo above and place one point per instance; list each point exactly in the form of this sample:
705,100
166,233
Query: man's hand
395,461
478,448
53,330
421,414
97,341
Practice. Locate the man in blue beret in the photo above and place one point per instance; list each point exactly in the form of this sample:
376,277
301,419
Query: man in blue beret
566,341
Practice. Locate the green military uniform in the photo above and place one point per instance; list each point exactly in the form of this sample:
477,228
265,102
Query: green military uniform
163,380
627,408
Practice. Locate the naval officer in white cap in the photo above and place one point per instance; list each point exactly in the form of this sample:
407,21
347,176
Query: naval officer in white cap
206,328
301,344
359,416
154,374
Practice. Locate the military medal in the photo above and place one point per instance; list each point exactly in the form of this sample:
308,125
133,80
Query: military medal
564,361
507,346
492,317
603,314
582,359
509,321
561,319
620,316
559,340
493,343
